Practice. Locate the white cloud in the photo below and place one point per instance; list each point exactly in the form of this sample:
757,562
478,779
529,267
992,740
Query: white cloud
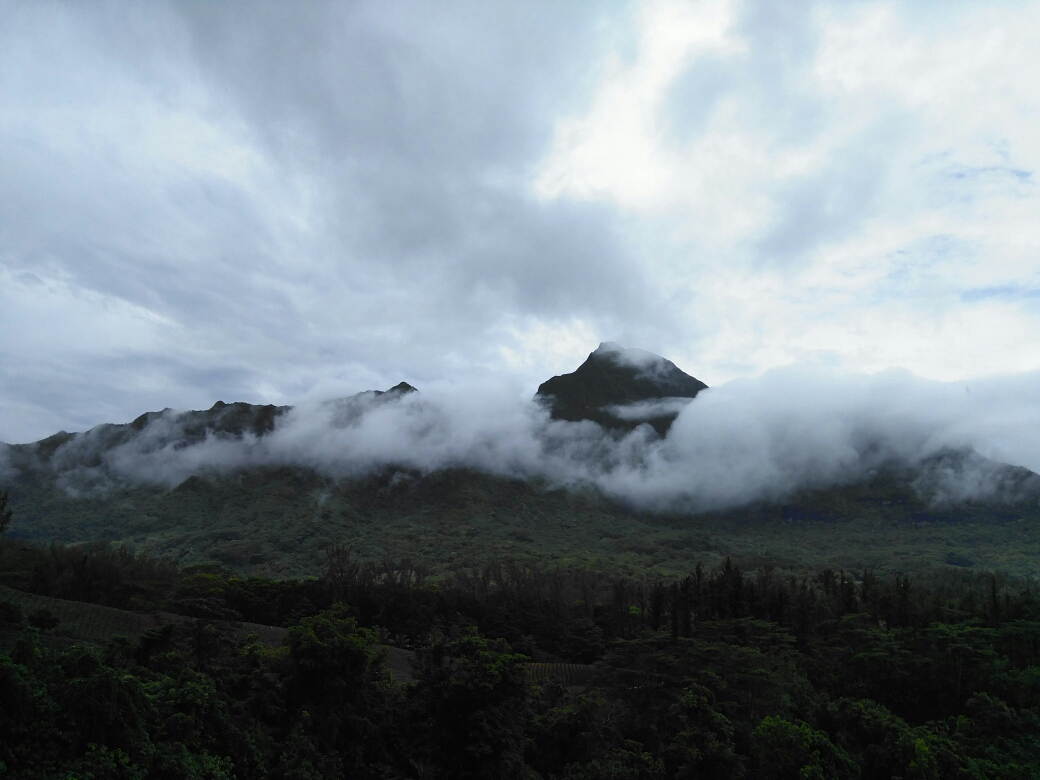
614,150
749,440
846,183
275,204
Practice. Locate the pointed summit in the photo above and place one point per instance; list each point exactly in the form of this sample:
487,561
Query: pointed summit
621,388
401,388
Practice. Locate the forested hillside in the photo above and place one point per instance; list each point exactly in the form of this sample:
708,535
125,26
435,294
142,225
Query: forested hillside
275,522
382,588
615,466
719,673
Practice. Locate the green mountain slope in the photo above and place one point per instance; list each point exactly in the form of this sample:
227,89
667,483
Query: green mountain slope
277,520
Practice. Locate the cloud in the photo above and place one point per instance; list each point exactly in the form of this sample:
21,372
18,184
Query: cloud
633,356
252,202
822,178
795,429
281,203
648,410
747,441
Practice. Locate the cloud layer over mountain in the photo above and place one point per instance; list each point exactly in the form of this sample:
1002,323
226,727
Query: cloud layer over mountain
745,441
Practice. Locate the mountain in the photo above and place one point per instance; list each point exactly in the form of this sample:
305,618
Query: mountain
241,484
621,388
353,408
221,421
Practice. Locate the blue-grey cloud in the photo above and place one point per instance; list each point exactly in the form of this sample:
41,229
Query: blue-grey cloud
275,202
280,189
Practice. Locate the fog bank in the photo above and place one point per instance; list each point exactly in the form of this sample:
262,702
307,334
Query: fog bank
749,440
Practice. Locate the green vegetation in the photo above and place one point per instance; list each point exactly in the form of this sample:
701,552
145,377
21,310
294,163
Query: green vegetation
721,672
277,623
277,522
5,512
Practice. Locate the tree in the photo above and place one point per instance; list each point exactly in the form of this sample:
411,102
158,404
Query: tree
794,751
471,704
337,681
627,761
5,513
703,746
26,717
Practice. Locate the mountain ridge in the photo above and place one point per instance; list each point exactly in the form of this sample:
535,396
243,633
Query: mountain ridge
234,420
275,515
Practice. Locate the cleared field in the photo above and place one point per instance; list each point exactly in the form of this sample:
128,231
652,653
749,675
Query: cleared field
89,623
82,623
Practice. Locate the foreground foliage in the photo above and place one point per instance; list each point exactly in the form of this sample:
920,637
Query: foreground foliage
723,673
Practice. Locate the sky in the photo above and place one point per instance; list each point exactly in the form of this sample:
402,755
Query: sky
284,203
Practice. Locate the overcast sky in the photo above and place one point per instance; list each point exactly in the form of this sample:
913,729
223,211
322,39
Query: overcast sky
294,201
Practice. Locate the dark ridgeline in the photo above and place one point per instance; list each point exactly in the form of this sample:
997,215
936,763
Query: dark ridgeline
613,376
222,420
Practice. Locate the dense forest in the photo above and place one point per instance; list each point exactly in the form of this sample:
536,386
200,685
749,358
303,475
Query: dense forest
519,672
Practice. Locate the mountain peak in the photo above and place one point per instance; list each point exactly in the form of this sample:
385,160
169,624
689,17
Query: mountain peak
632,357
621,388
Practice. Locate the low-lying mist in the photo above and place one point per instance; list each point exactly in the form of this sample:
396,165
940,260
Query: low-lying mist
749,440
